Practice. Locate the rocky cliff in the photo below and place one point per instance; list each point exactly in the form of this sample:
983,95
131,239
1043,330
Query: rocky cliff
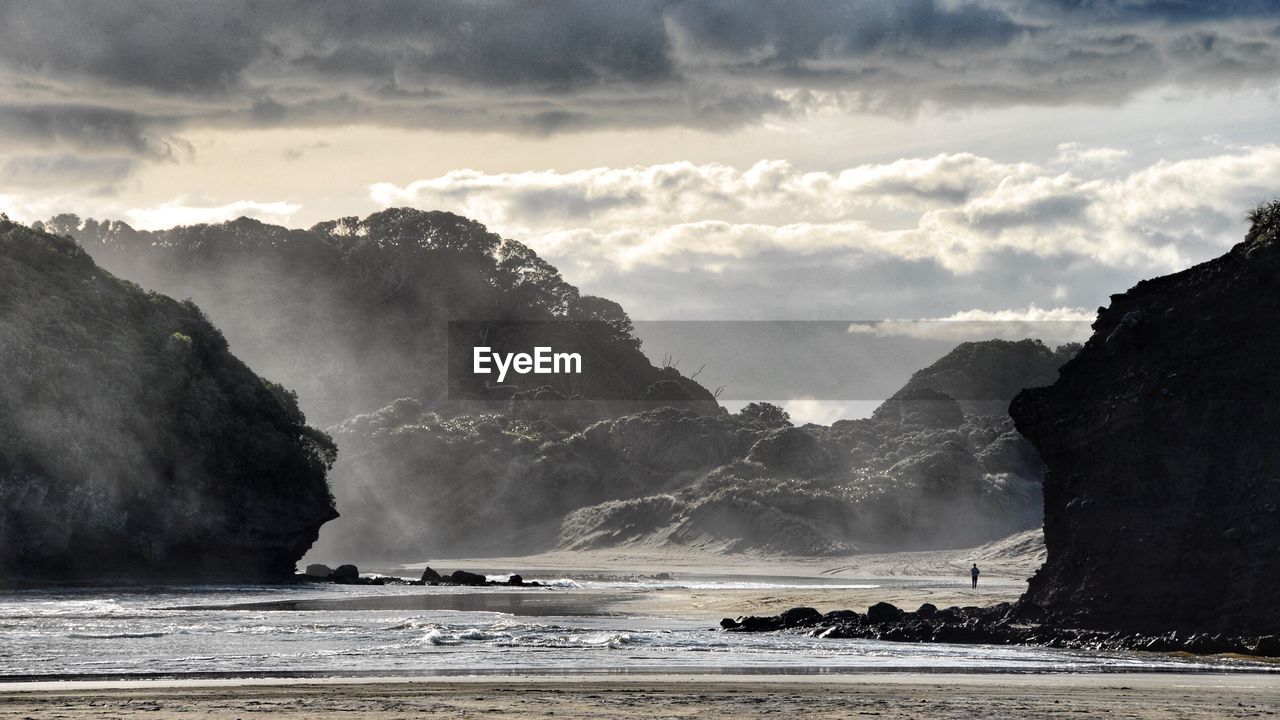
1162,441
133,445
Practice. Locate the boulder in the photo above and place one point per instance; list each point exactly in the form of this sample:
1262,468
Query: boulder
431,576
316,570
462,577
346,572
883,612
800,617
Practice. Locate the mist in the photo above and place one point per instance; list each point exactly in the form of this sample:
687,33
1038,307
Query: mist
358,317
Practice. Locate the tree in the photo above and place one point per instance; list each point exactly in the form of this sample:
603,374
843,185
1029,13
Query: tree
767,414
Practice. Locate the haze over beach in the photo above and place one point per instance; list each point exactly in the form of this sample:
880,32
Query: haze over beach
610,358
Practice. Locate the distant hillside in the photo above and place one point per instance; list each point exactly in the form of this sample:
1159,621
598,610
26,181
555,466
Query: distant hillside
353,312
985,376
133,444
921,473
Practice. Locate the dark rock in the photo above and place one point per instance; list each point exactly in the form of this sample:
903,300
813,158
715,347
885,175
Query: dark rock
317,570
839,615
883,612
927,610
995,625
799,617
1160,440
462,577
753,624
1267,646
431,576
345,572
515,580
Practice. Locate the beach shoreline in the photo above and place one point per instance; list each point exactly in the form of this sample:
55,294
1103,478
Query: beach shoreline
886,695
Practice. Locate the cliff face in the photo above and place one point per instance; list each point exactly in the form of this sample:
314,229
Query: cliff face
1162,441
133,445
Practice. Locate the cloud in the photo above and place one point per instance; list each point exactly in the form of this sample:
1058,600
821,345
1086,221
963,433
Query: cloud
1077,154
826,412
1052,325
913,238
132,74
188,212
65,170
955,210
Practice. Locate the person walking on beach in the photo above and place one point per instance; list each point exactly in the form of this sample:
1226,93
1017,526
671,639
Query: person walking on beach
974,572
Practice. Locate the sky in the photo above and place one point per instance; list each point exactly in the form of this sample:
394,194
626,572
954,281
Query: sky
854,160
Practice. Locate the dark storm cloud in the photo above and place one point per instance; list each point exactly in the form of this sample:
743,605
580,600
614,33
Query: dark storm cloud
63,171
783,34
129,74
174,46
89,127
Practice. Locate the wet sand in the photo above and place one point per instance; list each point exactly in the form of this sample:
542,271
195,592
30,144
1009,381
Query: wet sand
533,602
686,604
905,579
712,605
895,696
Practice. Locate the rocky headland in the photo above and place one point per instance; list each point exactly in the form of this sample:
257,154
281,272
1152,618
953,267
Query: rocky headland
1162,482
133,445
1162,441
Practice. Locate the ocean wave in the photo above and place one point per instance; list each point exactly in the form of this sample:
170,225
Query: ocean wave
564,583
435,637
117,636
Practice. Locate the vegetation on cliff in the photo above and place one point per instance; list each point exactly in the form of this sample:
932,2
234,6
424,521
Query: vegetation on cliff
920,473
354,313
132,443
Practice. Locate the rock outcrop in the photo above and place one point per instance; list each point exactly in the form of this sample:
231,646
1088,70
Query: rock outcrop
133,445
1002,624
1162,441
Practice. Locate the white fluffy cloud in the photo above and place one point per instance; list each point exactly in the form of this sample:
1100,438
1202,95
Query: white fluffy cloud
1052,325
191,212
953,209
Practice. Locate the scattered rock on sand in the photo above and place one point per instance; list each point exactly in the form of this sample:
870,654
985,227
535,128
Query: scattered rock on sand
1002,624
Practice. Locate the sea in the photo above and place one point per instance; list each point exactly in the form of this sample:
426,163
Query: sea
571,626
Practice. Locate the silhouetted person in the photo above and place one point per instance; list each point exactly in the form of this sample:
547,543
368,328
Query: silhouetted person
974,572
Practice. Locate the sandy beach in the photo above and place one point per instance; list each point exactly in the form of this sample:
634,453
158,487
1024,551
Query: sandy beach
850,582
698,588
885,696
